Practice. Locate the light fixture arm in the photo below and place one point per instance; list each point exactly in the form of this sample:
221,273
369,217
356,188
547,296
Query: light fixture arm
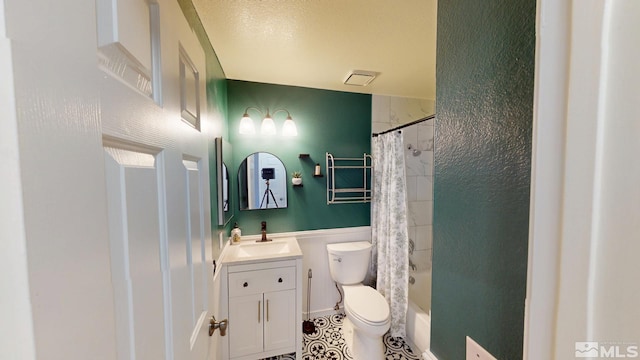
246,111
278,110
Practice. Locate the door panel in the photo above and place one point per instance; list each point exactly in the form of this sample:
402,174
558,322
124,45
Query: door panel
126,32
197,310
135,233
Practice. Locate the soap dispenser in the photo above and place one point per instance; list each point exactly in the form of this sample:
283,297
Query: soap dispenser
236,233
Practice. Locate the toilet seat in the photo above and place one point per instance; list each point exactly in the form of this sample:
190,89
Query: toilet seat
366,305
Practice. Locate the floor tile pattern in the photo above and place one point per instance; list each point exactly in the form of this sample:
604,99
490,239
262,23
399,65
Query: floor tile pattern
327,343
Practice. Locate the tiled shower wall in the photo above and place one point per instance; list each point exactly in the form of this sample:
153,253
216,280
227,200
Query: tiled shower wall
389,112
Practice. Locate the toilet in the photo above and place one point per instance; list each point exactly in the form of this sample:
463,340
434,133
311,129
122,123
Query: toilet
368,316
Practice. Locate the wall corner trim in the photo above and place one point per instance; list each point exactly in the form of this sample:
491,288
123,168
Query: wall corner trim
428,355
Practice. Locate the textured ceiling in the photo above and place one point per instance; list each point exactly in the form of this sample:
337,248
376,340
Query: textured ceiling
316,43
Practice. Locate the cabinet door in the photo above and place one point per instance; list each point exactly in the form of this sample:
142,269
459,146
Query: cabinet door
245,325
280,320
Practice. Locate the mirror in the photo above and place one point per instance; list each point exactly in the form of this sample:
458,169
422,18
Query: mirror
262,182
223,157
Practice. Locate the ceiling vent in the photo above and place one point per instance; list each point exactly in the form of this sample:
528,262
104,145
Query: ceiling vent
360,78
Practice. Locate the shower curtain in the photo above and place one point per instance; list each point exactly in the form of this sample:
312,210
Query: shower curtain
389,226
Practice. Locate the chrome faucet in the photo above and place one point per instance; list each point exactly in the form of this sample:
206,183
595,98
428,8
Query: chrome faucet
263,230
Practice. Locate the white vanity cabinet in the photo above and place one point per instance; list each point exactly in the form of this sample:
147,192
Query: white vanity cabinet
265,310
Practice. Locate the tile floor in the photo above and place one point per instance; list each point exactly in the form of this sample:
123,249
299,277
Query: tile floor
327,343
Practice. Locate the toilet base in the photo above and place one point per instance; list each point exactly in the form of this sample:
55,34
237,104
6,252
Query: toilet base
362,347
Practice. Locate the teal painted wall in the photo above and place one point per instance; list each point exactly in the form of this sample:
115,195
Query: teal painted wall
327,121
485,72
217,107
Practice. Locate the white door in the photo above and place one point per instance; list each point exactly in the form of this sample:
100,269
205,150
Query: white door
156,168
107,100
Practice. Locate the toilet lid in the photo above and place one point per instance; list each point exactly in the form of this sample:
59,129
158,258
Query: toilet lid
367,305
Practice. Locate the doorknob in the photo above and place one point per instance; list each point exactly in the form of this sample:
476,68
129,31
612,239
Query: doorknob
222,325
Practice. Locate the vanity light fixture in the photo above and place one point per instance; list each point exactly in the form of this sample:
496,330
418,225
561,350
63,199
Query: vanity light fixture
268,127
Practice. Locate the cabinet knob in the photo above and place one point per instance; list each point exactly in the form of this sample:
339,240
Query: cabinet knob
245,284
280,280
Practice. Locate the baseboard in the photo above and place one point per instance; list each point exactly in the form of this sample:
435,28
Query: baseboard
427,355
411,344
323,312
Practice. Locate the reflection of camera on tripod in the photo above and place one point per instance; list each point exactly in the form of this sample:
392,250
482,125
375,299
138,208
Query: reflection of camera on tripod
268,174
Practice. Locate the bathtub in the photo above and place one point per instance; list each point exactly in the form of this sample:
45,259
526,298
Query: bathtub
419,312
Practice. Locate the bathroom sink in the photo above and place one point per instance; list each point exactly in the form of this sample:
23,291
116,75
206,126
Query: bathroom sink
262,249
249,250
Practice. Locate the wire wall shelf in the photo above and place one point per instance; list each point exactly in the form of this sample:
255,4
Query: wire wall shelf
348,179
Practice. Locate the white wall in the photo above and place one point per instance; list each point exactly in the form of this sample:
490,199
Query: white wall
614,283
582,281
16,331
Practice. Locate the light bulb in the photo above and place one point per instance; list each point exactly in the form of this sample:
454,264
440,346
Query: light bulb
289,127
268,126
246,125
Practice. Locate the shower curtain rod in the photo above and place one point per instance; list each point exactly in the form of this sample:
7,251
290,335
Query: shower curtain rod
405,125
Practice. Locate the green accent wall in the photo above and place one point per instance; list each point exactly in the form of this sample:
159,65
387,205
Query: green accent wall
327,121
484,106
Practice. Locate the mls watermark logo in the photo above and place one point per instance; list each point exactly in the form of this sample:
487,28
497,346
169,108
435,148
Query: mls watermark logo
615,350
587,349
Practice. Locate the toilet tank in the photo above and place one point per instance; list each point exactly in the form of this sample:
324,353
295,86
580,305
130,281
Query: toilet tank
348,262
